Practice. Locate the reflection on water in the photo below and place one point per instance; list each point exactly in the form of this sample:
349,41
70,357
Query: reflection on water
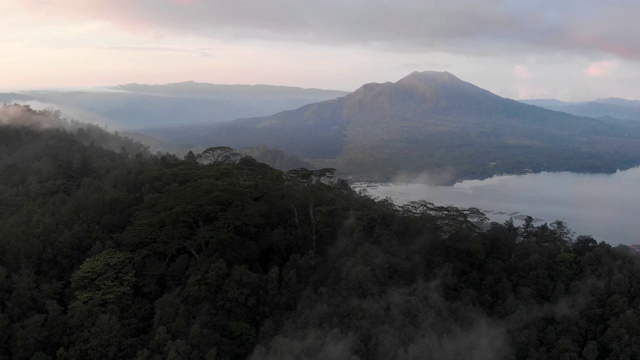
604,206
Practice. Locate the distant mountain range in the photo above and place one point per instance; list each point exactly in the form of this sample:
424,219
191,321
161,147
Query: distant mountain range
426,123
134,106
608,108
430,122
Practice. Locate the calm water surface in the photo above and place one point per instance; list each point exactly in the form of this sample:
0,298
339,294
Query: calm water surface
604,206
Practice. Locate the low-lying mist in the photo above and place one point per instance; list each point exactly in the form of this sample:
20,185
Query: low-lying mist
432,178
24,116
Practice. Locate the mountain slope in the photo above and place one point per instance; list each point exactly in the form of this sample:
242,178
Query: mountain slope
431,121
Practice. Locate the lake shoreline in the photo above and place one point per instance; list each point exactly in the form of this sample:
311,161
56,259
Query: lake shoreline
599,205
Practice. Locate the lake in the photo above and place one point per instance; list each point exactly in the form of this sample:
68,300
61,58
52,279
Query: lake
605,206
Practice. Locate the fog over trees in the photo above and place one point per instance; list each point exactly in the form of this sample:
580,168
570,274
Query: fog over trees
119,254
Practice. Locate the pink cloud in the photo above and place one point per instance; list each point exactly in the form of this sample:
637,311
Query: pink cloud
522,72
524,92
410,24
601,68
129,16
616,43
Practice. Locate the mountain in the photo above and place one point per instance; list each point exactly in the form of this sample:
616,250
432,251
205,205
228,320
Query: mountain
609,107
545,103
134,106
206,90
430,122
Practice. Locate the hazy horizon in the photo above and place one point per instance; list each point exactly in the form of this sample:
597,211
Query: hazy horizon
114,88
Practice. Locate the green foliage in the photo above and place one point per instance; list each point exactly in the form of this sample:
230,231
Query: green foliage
108,255
107,277
218,155
275,158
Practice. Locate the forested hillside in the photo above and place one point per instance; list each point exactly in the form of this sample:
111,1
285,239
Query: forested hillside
125,255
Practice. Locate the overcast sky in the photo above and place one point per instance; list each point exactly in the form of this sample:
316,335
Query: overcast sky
565,49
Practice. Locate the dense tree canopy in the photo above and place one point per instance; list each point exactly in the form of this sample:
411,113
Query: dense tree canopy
120,254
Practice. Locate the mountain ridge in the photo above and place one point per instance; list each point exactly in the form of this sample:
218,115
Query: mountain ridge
619,108
432,121
203,89
154,106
